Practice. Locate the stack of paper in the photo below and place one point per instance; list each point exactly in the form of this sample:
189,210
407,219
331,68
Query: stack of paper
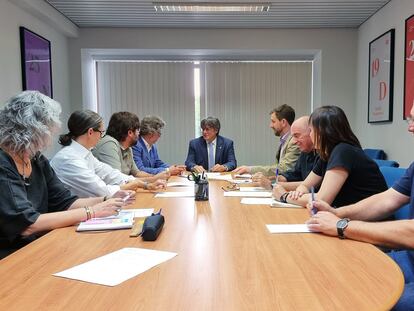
175,194
258,194
218,176
124,220
291,228
114,268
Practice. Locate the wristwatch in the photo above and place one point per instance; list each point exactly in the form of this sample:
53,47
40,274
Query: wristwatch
341,226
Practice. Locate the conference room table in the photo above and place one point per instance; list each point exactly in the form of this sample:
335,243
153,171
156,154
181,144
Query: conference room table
227,260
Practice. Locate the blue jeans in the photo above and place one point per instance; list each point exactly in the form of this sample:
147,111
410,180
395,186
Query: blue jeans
406,263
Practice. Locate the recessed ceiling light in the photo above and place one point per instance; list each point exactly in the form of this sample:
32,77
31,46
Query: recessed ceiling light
210,7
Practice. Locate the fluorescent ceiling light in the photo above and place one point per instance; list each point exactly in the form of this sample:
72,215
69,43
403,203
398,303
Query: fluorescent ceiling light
210,7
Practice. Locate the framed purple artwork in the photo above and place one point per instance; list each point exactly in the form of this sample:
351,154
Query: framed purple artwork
36,62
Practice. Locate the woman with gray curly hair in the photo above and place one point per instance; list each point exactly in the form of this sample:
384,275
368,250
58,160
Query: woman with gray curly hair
33,199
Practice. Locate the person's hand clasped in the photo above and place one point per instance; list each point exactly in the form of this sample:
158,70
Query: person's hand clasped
176,169
107,208
158,184
242,170
198,169
262,180
219,168
128,196
295,195
324,222
278,190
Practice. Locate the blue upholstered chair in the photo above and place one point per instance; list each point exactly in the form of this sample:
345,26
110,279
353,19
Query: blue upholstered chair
391,175
375,153
386,163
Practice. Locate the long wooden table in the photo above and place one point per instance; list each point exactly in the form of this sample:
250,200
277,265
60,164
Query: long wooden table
227,260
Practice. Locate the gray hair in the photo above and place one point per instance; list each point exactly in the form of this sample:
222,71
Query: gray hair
27,122
211,122
151,125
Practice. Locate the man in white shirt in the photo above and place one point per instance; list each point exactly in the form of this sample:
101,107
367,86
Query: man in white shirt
82,173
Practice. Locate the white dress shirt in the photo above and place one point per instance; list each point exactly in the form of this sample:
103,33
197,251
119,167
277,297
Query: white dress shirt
84,175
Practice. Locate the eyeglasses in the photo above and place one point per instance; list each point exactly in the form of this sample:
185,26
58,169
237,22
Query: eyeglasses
101,132
231,187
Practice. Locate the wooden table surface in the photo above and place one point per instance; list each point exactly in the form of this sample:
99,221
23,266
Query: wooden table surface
227,260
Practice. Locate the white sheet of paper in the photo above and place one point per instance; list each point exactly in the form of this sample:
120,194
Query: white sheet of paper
116,267
281,204
258,194
261,201
252,189
180,184
248,176
175,194
241,181
218,176
289,228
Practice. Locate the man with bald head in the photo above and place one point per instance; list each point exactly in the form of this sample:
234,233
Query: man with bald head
290,179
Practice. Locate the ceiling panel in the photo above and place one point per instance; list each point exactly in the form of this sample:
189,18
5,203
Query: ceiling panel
282,14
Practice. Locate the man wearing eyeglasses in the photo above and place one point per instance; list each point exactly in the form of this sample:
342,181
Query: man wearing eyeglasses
115,150
358,222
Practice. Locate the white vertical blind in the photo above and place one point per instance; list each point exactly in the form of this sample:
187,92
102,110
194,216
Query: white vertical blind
241,95
165,89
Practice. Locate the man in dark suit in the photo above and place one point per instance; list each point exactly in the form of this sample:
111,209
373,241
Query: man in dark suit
211,152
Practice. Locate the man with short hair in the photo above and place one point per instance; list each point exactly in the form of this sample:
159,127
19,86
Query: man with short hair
115,150
287,154
211,151
145,151
359,222
300,132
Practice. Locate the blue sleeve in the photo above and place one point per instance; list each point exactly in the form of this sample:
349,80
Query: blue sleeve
190,161
404,184
231,163
158,162
138,154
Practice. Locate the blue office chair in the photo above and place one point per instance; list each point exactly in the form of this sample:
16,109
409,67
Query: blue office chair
375,153
386,163
391,175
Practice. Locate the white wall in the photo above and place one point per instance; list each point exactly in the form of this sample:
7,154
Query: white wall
11,18
392,137
336,50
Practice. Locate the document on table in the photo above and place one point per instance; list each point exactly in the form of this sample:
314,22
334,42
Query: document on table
259,194
288,228
218,176
180,184
124,220
175,194
259,201
116,267
248,176
240,181
252,189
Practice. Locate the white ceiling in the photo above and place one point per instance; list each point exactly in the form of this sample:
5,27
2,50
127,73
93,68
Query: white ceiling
282,14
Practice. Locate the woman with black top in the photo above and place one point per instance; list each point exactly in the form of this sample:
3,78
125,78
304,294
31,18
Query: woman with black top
33,200
344,172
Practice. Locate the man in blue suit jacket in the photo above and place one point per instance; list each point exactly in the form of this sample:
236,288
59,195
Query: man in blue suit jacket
211,152
145,152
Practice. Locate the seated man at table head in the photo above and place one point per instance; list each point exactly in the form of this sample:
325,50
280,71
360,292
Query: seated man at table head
290,179
343,171
358,221
211,151
80,171
281,119
115,149
145,151
33,200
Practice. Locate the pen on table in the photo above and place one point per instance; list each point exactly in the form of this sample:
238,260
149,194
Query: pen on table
125,198
314,209
277,175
